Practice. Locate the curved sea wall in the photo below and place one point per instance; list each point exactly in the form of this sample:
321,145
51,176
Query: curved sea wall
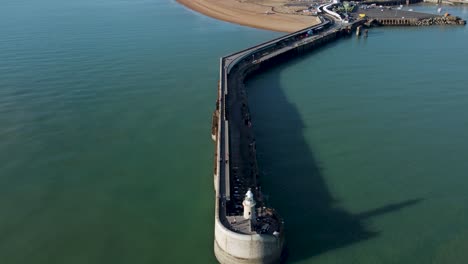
231,247
235,159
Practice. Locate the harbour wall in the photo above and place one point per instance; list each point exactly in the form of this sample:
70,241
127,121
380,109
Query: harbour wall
231,246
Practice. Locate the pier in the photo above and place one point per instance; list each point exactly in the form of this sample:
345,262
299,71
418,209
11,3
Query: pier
247,229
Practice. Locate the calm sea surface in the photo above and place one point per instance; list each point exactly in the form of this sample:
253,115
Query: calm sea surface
106,156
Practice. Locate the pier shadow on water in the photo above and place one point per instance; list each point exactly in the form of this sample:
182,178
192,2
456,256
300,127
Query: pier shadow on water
315,222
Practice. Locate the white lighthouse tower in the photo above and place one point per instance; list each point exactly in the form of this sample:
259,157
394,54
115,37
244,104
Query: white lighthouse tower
249,206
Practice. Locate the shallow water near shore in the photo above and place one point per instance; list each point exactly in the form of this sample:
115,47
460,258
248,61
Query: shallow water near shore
106,155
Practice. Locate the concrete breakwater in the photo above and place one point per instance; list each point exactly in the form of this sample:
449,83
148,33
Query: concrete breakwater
247,230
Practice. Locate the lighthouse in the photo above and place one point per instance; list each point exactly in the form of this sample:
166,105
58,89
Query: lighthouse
249,205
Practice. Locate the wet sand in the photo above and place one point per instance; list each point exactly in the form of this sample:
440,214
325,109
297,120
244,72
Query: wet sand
260,14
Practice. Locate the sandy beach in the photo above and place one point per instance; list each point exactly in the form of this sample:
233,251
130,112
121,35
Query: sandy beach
255,13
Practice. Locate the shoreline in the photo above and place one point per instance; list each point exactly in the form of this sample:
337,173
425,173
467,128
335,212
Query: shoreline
250,15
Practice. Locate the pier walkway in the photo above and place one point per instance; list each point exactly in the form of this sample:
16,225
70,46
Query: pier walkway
237,163
260,239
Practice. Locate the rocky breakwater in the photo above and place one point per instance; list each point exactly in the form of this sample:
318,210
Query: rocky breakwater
440,20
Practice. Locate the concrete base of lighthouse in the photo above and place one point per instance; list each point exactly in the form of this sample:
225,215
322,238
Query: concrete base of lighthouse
225,258
234,248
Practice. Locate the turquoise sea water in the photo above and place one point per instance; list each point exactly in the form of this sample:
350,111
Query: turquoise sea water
106,156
